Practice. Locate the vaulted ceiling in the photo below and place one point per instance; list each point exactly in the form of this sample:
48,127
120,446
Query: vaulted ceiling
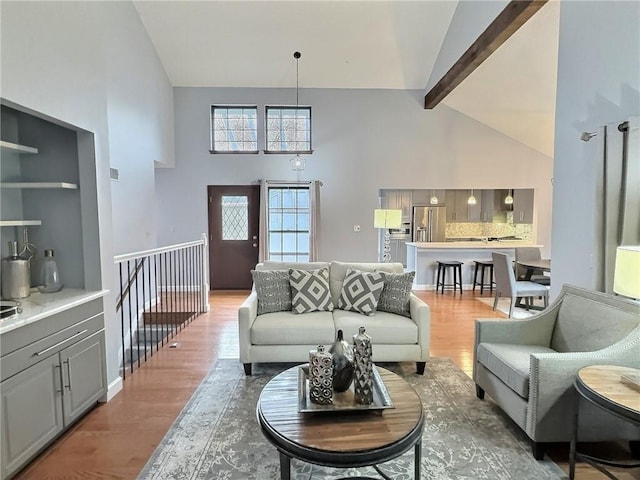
364,44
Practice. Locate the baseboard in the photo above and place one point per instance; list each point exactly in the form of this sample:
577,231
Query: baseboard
112,390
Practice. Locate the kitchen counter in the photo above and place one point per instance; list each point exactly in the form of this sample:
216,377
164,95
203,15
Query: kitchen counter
41,305
422,257
493,245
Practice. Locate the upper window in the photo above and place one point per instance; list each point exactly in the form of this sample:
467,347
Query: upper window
234,129
288,130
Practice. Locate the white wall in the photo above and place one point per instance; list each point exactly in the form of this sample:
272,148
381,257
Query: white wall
364,140
91,65
598,83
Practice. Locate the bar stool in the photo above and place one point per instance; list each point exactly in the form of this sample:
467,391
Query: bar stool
442,271
483,264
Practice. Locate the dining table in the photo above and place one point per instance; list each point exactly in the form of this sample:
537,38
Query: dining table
534,266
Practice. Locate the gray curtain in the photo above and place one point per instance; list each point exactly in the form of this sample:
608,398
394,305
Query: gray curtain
314,228
264,205
618,209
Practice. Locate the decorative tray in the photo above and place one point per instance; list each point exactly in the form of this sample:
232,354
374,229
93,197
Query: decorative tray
342,401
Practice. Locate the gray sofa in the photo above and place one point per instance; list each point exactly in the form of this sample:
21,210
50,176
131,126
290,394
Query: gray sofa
529,366
285,336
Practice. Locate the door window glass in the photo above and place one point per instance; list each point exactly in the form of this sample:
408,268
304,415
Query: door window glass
235,218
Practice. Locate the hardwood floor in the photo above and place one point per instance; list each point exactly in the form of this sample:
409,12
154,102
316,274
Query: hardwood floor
115,439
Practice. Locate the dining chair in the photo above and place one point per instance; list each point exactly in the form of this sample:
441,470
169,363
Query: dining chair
507,285
530,253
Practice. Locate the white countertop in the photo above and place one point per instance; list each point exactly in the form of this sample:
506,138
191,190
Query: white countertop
496,245
41,305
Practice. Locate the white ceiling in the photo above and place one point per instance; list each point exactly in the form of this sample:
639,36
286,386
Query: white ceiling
365,44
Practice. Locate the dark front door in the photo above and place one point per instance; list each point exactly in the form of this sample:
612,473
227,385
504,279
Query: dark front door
234,218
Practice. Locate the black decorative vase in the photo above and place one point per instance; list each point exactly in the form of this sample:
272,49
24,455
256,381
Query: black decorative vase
343,367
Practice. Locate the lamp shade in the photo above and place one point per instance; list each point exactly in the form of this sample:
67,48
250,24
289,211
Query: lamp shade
626,280
383,218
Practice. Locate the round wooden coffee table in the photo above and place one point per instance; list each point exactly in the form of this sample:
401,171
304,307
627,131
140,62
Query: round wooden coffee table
340,439
602,385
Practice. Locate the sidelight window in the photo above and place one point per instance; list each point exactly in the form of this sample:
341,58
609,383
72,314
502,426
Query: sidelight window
289,218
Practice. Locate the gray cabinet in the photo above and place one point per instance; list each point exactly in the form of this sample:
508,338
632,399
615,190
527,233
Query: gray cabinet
399,200
53,371
399,251
523,205
458,210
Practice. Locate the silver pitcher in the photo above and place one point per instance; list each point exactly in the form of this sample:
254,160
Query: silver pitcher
16,276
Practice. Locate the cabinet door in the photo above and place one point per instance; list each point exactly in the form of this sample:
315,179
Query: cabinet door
523,205
402,252
450,203
421,197
83,375
474,212
406,204
487,206
31,412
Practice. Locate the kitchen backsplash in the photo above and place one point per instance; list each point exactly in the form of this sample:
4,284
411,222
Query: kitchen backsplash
481,229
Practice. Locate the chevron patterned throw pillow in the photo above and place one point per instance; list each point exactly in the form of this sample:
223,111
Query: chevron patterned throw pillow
310,290
361,291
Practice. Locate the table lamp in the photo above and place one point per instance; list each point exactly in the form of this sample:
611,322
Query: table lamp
626,280
386,219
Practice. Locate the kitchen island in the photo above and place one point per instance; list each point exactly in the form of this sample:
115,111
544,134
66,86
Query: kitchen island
422,258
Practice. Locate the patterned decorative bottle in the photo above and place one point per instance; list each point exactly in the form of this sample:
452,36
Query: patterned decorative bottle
321,376
363,381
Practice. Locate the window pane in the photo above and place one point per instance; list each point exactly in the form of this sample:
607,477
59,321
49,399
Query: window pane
234,129
288,198
275,242
235,218
275,220
289,243
289,221
288,129
303,242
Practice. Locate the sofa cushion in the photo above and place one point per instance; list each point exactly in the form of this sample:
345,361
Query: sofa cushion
310,290
338,270
287,328
510,363
383,328
361,291
396,293
273,289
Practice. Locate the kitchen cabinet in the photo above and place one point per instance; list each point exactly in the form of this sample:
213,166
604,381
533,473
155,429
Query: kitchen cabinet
53,370
399,200
423,197
458,210
523,205
399,251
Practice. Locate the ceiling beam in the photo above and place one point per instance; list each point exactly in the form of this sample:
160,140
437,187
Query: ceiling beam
514,15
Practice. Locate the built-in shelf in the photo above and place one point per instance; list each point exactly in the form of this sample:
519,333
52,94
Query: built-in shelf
14,147
70,186
19,223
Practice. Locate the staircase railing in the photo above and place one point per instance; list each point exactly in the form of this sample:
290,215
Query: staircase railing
160,292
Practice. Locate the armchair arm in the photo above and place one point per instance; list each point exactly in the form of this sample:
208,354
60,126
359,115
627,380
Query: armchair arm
551,379
535,330
247,314
421,315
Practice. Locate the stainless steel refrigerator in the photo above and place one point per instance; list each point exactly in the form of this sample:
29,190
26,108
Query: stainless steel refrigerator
429,223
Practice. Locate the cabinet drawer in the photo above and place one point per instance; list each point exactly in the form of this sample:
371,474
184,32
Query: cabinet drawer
45,347
46,327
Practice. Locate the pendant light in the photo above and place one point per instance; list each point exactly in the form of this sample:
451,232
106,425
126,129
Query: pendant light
433,200
471,200
297,163
508,200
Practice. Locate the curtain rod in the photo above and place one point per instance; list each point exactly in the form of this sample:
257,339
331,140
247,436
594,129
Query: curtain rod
623,127
292,182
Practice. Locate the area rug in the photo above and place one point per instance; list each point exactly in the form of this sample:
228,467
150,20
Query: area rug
503,306
216,436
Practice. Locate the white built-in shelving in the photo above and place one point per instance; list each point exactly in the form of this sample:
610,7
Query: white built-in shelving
20,223
64,185
17,148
